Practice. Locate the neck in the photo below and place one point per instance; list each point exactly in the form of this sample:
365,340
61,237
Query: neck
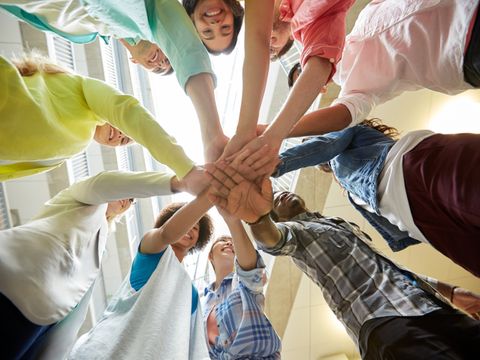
221,273
179,253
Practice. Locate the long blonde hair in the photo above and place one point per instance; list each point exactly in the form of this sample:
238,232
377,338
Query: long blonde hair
32,62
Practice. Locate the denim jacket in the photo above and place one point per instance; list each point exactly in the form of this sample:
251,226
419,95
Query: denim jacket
356,156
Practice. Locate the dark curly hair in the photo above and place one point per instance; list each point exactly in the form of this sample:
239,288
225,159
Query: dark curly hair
238,13
376,124
206,224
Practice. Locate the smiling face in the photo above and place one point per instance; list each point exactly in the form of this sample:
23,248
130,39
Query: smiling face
287,205
213,20
110,136
189,240
150,56
222,255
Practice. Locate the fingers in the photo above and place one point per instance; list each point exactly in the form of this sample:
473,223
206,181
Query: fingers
267,190
233,174
217,201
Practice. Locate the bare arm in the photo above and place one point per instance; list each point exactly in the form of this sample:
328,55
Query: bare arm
201,91
244,250
322,121
156,240
306,89
258,27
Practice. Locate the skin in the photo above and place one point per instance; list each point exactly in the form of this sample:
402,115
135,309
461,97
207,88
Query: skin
110,136
116,208
213,20
258,24
149,55
180,231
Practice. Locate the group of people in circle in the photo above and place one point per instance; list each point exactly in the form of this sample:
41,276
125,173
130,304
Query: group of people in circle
420,188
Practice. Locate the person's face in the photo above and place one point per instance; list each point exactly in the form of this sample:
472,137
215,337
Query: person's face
110,136
213,20
189,240
281,33
222,252
117,207
287,205
150,56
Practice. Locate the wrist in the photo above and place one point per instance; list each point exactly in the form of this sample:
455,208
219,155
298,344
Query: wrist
176,185
260,220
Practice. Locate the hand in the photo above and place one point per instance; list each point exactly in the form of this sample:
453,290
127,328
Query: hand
261,128
238,196
194,182
236,143
251,155
214,149
467,301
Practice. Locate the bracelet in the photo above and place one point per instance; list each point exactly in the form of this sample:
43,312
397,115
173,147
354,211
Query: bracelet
259,220
452,293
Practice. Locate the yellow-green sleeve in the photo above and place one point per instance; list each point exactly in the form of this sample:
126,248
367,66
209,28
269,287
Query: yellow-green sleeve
174,33
125,113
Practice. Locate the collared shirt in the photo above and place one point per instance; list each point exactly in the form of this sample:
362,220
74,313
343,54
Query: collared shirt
319,26
403,45
244,330
357,282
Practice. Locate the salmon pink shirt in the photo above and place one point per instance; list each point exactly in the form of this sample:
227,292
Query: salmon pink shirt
319,25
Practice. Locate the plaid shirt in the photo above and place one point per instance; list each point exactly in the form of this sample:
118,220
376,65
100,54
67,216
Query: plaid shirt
244,330
357,282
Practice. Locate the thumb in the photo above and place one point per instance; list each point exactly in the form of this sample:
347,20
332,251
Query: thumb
267,190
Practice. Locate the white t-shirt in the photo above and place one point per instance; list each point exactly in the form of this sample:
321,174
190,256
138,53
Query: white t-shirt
391,194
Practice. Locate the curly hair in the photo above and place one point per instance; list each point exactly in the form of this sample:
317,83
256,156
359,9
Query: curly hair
32,62
375,124
238,13
205,223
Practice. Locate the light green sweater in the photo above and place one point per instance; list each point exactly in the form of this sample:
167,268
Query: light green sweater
48,117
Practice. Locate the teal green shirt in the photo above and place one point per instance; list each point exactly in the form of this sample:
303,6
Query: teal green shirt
163,22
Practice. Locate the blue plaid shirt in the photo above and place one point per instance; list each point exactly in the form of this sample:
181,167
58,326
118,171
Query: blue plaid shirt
244,330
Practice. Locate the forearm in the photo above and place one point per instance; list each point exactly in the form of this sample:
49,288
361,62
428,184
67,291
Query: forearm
118,185
244,249
322,121
446,290
201,92
178,225
306,89
258,26
265,232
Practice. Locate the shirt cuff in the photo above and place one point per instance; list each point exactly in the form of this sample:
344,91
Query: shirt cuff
252,279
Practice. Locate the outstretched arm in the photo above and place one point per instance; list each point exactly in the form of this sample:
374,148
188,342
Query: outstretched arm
462,298
306,89
156,240
244,249
322,121
258,28
200,89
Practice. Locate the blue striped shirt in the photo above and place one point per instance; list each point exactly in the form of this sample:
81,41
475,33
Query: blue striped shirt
244,330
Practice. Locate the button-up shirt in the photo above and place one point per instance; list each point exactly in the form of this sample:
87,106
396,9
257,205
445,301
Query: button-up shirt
403,45
356,281
319,25
244,330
